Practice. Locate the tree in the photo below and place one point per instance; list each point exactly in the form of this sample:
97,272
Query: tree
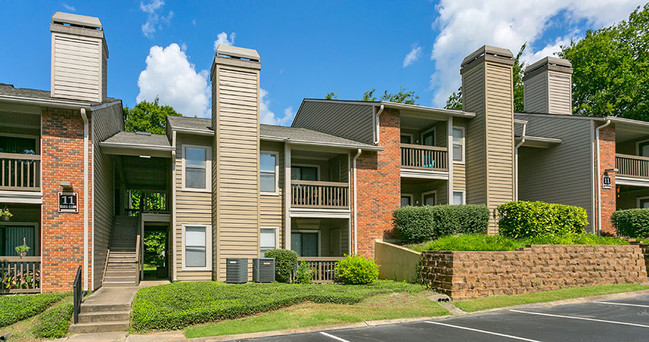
402,96
148,117
454,101
331,96
611,69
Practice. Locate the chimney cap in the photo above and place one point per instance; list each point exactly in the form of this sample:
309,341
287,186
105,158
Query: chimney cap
237,52
487,50
76,20
552,63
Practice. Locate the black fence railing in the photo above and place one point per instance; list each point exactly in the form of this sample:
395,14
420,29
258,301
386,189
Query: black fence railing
78,295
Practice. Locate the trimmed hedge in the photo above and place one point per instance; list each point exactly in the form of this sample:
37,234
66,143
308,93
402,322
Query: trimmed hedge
357,270
523,219
178,305
14,308
285,263
54,323
418,224
632,222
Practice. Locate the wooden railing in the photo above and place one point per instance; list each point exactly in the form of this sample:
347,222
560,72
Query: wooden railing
20,275
146,202
633,166
20,172
312,194
424,157
324,268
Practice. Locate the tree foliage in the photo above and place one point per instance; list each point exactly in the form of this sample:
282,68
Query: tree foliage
331,96
148,117
401,96
611,69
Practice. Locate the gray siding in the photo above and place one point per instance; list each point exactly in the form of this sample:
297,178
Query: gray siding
271,207
346,120
559,174
535,93
560,88
473,83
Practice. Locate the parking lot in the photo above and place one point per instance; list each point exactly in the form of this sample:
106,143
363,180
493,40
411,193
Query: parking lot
608,320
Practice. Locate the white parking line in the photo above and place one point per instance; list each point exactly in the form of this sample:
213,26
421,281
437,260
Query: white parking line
625,304
582,318
334,337
482,331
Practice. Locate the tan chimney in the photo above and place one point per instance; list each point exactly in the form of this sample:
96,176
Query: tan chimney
235,119
79,55
548,86
487,90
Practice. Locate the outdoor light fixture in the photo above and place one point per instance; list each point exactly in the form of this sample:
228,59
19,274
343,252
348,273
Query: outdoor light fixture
66,185
145,157
611,170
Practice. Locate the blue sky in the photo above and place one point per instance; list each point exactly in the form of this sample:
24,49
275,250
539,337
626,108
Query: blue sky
307,48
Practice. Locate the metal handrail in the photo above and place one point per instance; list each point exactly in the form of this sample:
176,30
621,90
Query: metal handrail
78,295
137,256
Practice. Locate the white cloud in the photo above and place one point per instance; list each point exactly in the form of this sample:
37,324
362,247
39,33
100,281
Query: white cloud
266,116
466,25
153,19
170,76
222,39
69,7
412,56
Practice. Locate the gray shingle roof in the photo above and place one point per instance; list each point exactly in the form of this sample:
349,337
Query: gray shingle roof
188,123
131,138
10,90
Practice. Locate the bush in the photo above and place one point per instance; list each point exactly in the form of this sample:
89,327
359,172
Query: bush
530,219
632,222
14,308
53,323
285,263
356,269
304,274
418,224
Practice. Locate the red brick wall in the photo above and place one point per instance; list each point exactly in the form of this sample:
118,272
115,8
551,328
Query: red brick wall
62,233
379,185
607,161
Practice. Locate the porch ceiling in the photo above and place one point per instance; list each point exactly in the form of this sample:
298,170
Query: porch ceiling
143,173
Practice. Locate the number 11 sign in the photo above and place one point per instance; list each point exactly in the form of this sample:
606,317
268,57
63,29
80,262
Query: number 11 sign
68,202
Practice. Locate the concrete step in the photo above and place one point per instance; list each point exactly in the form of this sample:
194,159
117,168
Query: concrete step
111,284
96,327
107,316
122,265
91,308
120,279
110,274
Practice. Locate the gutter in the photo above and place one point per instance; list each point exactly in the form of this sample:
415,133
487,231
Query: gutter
85,198
44,102
377,120
516,160
599,185
358,153
173,202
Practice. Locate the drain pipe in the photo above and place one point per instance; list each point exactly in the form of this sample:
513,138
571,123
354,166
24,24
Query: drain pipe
358,153
377,121
599,180
516,160
85,198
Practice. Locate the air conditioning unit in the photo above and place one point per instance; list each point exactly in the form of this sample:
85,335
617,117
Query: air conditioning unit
263,270
236,270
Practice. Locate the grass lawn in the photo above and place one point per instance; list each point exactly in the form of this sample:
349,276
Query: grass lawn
53,321
179,305
386,306
487,303
483,242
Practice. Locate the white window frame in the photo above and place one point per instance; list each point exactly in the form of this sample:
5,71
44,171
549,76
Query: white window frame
276,236
423,195
640,199
463,192
463,144
412,137
308,165
208,168
208,248
276,192
412,199
432,129
311,231
637,146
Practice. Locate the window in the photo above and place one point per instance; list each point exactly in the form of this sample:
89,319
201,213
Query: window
197,253
406,200
406,139
429,198
267,239
305,244
307,173
196,161
14,235
642,202
13,144
268,172
458,144
458,197
643,149
428,138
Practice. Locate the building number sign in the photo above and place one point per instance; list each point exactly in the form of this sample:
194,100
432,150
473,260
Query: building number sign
68,202
606,181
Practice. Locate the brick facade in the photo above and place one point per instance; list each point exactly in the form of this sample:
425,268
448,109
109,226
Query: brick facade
607,161
534,269
62,233
379,185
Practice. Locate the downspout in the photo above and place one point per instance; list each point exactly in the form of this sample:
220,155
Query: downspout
599,186
85,198
516,161
355,199
376,119
173,204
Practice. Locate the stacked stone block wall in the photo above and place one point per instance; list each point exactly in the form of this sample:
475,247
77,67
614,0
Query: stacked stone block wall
537,268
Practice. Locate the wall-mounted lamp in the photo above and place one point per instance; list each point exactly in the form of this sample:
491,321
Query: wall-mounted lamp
611,170
145,157
66,185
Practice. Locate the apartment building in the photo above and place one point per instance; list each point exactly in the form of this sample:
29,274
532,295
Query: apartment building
84,192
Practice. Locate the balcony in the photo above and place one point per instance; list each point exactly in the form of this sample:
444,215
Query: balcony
632,166
324,268
319,195
20,275
424,157
20,172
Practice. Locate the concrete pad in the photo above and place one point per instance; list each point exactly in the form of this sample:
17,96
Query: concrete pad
155,337
98,337
113,295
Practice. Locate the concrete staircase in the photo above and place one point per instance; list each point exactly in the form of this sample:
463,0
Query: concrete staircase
122,267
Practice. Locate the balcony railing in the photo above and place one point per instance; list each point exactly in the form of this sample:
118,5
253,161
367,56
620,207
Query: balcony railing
322,195
20,275
146,202
632,166
324,268
424,157
20,172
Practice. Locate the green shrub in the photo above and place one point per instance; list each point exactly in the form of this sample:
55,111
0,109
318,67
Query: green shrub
14,308
53,323
632,222
418,224
530,219
470,242
356,269
285,263
304,274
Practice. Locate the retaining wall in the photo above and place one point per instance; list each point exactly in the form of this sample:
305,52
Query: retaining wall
396,262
